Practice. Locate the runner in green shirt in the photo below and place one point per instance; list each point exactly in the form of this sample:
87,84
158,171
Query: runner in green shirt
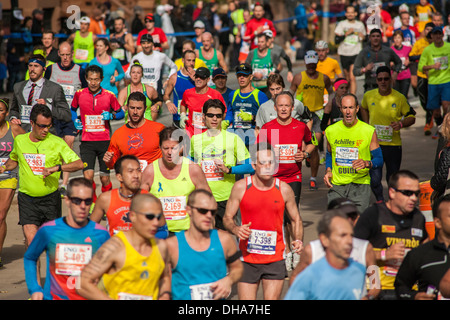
40,155
221,154
434,61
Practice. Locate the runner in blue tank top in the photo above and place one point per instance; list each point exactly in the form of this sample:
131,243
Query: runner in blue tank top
201,256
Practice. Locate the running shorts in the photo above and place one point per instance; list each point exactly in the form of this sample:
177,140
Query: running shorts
39,210
253,272
347,61
64,128
92,150
436,94
10,183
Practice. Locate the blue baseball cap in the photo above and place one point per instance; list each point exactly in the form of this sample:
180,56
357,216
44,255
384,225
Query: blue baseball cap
218,72
437,29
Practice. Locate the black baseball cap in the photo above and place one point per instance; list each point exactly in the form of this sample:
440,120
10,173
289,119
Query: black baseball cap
244,68
147,38
202,72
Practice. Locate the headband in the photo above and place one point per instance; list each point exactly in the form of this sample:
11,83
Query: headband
37,61
7,106
338,83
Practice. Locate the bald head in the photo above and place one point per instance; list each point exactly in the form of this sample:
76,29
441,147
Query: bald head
65,52
140,201
207,40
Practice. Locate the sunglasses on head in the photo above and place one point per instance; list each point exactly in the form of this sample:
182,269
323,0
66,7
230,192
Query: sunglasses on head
212,115
408,193
78,201
150,216
205,211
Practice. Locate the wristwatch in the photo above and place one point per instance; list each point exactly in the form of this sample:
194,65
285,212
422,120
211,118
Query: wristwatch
307,155
59,168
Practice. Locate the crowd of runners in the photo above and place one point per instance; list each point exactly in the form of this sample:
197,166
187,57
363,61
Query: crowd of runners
212,200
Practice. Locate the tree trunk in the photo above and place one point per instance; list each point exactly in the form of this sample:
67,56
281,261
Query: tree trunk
279,12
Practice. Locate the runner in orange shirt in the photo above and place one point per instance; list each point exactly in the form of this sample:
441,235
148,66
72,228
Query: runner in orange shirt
139,136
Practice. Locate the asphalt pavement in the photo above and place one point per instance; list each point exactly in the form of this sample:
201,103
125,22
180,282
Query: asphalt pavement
418,156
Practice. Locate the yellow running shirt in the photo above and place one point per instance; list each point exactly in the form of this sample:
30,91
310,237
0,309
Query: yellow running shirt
138,279
173,195
313,91
385,109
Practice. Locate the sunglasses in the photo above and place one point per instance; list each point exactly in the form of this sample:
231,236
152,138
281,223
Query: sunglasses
205,211
78,201
383,79
200,77
408,193
151,216
212,115
43,126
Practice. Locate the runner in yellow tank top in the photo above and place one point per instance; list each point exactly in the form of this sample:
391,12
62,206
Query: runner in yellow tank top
309,87
132,265
172,178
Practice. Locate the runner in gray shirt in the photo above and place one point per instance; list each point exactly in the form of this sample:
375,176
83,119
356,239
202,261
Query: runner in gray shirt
266,111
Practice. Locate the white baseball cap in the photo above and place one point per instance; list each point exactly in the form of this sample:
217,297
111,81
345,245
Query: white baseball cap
311,57
268,33
403,8
199,24
321,45
85,20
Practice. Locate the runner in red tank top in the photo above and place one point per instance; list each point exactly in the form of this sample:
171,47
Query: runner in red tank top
262,200
115,204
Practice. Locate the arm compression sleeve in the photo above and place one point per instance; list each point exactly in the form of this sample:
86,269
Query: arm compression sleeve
120,114
328,160
74,114
377,158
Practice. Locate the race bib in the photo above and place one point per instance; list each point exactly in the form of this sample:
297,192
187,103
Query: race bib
143,164
443,61
423,16
392,266
70,259
197,120
94,123
262,242
69,91
25,113
119,54
211,171
131,296
81,54
351,40
345,156
286,152
36,162
201,292
174,207
384,133
376,65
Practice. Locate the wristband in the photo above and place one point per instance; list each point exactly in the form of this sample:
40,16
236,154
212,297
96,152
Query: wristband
383,255
401,124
